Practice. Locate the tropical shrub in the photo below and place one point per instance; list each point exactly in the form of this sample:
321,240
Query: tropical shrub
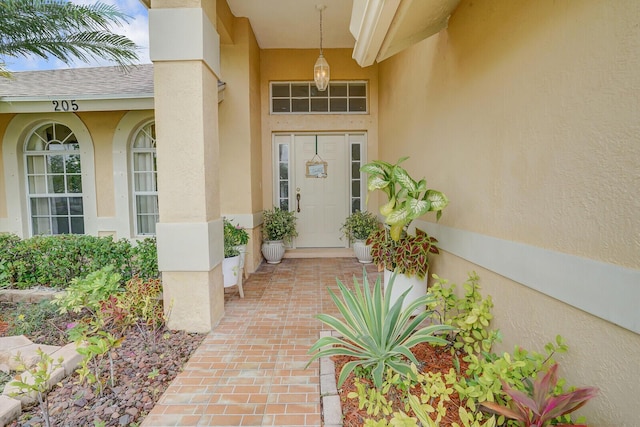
541,405
407,199
234,236
359,225
53,261
374,332
145,259
483,377
469,315
278,224
89,292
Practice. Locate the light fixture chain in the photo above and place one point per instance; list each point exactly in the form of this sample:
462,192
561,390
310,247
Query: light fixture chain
320,31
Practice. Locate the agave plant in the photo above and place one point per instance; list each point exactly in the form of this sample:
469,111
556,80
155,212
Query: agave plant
375,332
541,407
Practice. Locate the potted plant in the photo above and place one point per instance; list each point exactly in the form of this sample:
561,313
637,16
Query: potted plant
278,225
357,228
235,244
394,248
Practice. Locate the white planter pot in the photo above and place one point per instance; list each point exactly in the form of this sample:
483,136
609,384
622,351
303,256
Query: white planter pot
417,287
243,252
231,270
362,251
273,251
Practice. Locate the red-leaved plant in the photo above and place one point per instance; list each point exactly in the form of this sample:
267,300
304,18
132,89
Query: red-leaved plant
409,255
542,407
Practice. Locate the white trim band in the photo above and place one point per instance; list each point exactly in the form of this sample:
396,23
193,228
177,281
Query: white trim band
183,34
189,246
608,291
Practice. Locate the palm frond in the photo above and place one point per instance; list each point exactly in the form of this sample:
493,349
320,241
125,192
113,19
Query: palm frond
65,31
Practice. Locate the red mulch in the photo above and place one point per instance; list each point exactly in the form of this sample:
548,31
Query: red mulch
431,358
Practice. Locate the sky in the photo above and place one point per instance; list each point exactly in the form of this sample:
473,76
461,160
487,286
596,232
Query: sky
137,30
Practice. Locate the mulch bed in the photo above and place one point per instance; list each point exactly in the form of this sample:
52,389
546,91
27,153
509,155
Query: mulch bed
432,359
144,366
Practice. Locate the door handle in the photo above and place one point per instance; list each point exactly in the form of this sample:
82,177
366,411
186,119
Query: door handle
298,201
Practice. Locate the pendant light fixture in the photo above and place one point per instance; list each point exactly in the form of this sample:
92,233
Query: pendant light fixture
321,69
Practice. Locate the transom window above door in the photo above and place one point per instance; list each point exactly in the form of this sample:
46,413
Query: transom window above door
341,97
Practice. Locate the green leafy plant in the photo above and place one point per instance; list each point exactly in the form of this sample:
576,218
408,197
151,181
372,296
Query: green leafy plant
472,338
37,380
145,263
540,405
470,314
142,301
95,346
373,400
359,225
408,199
89,292
278,224
375,332
409,255
234,236
53,261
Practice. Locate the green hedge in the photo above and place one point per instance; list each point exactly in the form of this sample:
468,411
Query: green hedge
52,261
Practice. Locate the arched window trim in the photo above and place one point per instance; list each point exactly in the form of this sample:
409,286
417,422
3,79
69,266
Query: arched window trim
53,178
18,128
144,222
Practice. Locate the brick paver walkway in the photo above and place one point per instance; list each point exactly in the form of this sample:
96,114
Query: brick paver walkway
250,370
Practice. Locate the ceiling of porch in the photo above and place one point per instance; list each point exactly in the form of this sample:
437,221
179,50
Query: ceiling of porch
295,24
374,29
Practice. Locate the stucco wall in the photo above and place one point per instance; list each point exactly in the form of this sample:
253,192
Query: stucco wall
239,112
102,126
525,115
4,121
235,117
108,135
292,65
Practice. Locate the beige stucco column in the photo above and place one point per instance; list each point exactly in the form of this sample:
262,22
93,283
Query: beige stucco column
184,47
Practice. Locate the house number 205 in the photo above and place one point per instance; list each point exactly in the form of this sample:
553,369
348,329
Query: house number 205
65,105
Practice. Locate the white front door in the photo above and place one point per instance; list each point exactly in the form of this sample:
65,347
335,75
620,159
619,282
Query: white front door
321,204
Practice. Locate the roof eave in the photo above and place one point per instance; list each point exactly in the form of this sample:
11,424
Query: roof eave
75,104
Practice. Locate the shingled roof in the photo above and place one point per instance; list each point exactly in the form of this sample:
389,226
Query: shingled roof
98,82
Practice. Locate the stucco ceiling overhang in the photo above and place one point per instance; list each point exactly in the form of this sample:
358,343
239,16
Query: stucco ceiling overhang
383,28
375,29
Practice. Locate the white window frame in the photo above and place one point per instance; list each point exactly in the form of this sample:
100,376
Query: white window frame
18,217
329,97
361,139
47,192
287,139
134,193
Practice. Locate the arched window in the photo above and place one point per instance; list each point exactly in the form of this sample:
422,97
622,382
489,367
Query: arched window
54,180
145,180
